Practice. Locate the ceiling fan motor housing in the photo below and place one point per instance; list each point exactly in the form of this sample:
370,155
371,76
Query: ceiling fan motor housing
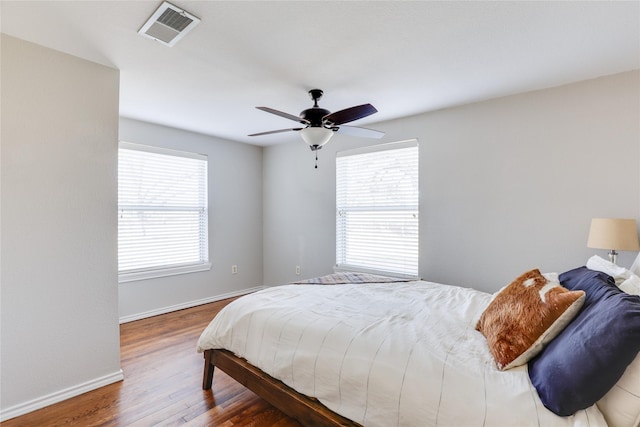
314,115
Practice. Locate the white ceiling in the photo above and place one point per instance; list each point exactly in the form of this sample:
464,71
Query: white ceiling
403,57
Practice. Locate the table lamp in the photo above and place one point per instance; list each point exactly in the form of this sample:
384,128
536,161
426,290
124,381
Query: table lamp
613,234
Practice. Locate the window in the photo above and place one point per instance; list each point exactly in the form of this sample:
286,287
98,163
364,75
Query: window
162,212
377,209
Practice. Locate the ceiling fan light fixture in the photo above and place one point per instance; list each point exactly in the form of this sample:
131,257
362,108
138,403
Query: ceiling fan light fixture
316,137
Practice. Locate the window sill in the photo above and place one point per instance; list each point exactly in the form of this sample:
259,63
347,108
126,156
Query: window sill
347,268
165,272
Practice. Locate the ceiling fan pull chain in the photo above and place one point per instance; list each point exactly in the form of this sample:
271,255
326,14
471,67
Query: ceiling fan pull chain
316,159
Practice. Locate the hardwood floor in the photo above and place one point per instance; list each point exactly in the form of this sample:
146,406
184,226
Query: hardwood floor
162,385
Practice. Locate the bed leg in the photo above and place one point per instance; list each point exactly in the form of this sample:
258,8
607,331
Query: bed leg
207,377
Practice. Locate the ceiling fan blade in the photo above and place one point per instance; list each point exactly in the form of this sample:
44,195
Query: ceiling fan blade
360,132
285,115
275,131
350,114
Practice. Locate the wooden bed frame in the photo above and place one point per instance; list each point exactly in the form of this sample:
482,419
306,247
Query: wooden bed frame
309,411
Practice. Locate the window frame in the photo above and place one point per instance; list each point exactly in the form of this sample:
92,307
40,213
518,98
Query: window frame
167,269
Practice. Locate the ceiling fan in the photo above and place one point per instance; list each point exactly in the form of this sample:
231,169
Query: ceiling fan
320,124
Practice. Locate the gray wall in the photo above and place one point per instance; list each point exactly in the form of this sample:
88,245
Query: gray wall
506,185
235,224
59,289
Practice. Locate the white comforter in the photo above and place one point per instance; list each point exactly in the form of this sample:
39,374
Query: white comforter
384,354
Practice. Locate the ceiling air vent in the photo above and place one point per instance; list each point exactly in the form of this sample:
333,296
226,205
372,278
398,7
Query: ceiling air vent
168,24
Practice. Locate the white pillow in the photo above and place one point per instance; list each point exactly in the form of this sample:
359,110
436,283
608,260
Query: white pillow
631,285
621,405
619,274
635,267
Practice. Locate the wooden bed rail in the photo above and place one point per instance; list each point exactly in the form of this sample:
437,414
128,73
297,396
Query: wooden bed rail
308,411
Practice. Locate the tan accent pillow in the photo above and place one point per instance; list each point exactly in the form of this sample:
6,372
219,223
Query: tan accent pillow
525,316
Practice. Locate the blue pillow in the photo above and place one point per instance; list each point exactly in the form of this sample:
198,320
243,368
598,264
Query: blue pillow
590,355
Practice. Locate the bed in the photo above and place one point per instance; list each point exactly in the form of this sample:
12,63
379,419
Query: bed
350,349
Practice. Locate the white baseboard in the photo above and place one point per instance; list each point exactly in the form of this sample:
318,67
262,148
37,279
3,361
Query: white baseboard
189,304
59,396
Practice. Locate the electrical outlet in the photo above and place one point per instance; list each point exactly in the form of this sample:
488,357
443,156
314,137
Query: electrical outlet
234,269
297,270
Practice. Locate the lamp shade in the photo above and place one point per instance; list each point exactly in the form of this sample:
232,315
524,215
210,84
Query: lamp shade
316,136
614,234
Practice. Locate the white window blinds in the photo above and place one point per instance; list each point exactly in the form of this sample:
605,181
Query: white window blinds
377,208
162,212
